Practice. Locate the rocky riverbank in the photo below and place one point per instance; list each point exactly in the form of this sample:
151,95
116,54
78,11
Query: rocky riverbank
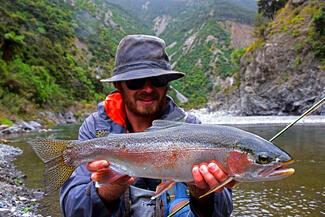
15,199
41,125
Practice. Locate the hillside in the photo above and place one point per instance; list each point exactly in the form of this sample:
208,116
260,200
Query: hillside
148,10
53,53
283,72
200,36
201,46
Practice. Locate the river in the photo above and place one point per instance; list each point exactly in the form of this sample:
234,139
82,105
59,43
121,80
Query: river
302,194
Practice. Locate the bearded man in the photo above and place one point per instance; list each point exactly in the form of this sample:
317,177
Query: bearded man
141,77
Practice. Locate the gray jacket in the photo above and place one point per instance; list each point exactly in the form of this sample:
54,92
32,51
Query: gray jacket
78,196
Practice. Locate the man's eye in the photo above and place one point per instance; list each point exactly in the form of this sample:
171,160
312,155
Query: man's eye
263,159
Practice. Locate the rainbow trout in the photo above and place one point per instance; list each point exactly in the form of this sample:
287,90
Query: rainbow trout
167,151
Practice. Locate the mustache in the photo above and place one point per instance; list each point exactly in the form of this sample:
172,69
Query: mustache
145,95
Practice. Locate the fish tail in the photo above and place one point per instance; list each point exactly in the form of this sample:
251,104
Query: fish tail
57,171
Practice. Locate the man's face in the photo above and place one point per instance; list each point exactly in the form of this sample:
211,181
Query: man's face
145,101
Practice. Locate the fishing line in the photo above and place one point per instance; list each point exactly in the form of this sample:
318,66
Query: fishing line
313,108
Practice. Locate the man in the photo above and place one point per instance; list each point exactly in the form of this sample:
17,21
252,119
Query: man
141,76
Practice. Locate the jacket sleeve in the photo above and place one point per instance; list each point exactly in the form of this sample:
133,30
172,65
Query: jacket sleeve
223,203
78,195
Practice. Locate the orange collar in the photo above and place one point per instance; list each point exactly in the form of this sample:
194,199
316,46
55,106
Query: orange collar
114,108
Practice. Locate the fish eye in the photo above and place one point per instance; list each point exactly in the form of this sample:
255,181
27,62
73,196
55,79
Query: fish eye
263,159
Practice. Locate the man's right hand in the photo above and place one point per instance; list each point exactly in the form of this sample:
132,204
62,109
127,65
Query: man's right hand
116,183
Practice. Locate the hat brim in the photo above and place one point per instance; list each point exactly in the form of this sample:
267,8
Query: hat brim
145,73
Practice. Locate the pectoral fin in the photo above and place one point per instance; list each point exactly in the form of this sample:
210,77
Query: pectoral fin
163,187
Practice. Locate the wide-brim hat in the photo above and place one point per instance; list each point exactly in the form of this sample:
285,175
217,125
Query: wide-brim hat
142,56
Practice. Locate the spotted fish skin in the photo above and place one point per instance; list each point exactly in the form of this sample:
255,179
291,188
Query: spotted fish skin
169,149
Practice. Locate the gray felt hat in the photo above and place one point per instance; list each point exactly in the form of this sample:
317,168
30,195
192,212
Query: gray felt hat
142,56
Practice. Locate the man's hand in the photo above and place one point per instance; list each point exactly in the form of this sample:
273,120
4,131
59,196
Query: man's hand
207,176
116,183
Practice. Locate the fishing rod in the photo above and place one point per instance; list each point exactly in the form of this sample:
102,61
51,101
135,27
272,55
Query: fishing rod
310,110
313,108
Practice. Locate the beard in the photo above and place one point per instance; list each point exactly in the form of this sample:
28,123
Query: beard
152,110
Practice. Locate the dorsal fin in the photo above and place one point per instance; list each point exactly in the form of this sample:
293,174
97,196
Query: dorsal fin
163,124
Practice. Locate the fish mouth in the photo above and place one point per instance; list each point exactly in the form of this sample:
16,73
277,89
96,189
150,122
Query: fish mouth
282,170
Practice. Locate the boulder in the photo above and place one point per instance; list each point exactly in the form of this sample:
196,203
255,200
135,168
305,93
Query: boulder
69,118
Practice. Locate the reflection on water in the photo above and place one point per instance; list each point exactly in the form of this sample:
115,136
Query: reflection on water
300,195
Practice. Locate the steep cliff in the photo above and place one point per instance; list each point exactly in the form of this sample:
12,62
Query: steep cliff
284,71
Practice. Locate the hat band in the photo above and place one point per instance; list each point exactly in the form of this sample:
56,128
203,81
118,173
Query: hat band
141,65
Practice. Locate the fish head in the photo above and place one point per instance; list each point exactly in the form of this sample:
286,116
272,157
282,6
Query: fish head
256,159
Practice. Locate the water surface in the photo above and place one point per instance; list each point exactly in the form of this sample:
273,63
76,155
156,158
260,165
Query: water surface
300,195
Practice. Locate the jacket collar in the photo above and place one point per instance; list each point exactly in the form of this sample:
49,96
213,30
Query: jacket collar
113,108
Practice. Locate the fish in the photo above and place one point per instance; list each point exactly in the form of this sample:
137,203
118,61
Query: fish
167,151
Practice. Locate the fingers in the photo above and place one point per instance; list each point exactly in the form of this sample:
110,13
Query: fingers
208,176
103,174
198,178
97,165
100,175
131,180
113,191
111,177
100,170
217,172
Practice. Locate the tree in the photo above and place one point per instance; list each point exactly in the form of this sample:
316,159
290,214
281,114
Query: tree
269,7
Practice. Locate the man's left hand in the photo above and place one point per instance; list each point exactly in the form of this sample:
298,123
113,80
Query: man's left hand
207,176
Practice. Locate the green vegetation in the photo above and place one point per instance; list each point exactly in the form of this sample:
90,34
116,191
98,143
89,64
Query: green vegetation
267,10
51,52
317,34
305,23
269,7
256,44
210,55
6,121
260,25
236,56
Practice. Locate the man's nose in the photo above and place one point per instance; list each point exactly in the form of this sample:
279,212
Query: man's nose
148,87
